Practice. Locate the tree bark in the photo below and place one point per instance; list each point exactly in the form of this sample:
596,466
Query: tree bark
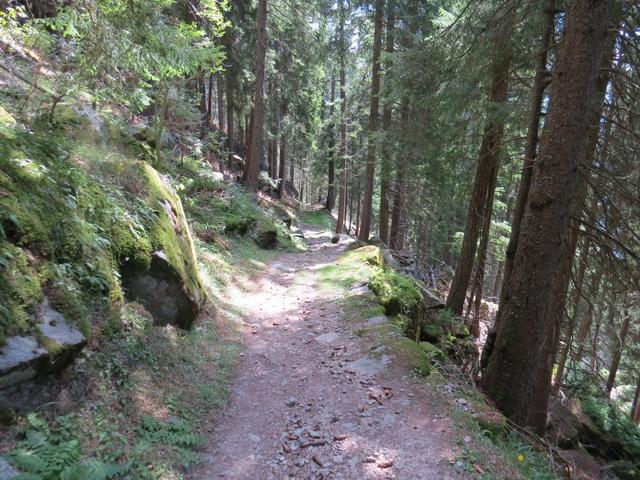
540,83
342,175
374,107
562,360
617,353
514,378
282,173
398,215
210,115
385,173
635,406
230,78
252,166
221,107
331,177
481,202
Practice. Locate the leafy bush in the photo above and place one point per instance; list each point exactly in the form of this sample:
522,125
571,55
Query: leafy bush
396,292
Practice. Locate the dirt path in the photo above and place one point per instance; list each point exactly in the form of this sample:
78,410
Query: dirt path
304,401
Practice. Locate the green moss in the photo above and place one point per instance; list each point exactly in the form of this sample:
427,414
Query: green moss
317,218
352,267
397,293
411,354
431,350
170,232
130,246
6,119
266,234
20,291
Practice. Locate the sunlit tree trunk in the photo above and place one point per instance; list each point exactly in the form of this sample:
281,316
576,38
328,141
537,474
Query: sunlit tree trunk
386,150
618,347
481,201
519,379
331,147
364,228
254,150
342,174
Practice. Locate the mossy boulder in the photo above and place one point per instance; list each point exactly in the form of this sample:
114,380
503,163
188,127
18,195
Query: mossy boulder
53,346
431,350
430,332
265,234
396,292
169,285
411,354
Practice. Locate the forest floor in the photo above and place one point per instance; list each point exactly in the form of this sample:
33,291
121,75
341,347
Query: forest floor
315,399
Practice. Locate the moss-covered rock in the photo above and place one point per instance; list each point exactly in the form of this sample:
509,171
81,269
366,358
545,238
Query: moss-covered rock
431,350
411,354
430,332
265,234
396,292
170,286
20,291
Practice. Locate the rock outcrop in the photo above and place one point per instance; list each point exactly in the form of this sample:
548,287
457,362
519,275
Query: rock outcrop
169,286
24,358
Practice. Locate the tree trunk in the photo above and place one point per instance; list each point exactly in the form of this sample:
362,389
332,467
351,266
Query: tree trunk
282,173
367,203
482,252
230,78
514,378
540,82
398,214
617,353
221,118
331,189
210,115
252,166
635,405
385,173
481,202
342,182
562,360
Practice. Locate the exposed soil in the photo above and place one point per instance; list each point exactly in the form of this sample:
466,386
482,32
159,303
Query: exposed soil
311,400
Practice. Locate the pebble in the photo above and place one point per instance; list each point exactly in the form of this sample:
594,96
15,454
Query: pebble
254,438
292,401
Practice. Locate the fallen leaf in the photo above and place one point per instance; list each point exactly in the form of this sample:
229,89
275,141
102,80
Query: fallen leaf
340,437
478,469
316,459
387,464
286,448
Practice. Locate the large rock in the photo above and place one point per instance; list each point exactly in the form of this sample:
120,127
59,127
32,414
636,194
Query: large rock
169,286
23,358
162,291
6,470
265,234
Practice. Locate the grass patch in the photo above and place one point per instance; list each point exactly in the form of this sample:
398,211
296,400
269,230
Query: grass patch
317,218
352,267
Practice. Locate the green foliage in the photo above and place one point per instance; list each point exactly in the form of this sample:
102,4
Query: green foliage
396,292
318,218
175,433
53,454
613,422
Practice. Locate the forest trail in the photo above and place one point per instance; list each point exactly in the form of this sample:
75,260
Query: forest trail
306,380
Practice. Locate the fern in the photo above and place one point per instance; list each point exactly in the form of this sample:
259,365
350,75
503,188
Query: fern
44,455
176,433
